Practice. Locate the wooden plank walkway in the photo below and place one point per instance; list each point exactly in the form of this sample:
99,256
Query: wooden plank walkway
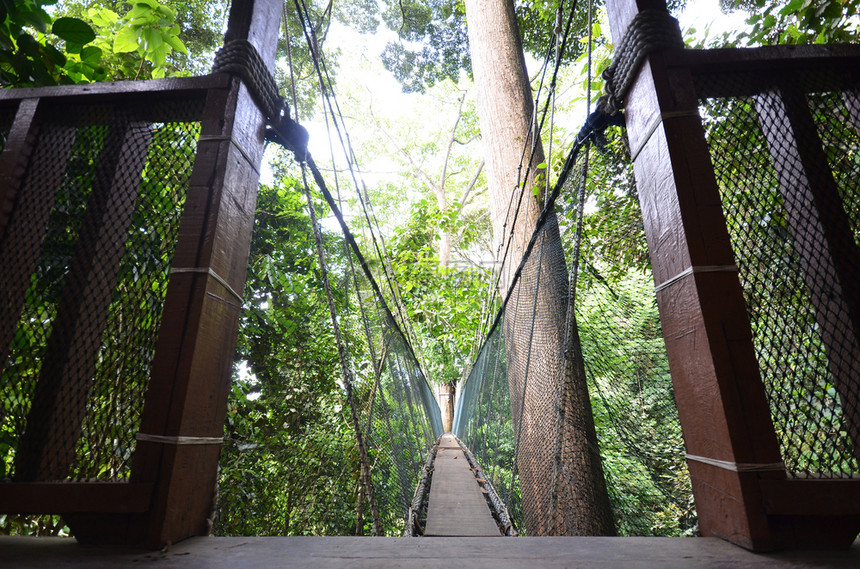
457,507
417,553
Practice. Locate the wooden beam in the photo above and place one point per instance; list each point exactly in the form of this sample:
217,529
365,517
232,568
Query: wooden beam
745,72
27,196
721,402
15,157
823,238
47,447
188,392
74,497
812,496
179,87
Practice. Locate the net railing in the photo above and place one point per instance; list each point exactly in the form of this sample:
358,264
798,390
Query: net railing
86,257
324,489
398,413
785,154
513,406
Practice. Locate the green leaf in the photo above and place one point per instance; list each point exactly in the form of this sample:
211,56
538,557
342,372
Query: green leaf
102,17
152,39
141,14
158,55
166,13
91,54
791,7
126,41
175,43
55,55
73,30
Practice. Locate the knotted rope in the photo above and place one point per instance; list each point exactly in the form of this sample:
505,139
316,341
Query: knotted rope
650,31
241,58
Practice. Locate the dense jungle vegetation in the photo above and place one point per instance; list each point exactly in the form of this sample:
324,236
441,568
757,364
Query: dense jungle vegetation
289,464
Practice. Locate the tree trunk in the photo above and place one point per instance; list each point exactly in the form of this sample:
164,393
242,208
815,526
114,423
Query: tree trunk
561,478
447,390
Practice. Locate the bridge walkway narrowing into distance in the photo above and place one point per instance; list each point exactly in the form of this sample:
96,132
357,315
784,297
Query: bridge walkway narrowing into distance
456,507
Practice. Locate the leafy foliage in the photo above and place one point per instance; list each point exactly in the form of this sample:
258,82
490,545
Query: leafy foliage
290,466
31,51
149,30
433,44
443,303
798,21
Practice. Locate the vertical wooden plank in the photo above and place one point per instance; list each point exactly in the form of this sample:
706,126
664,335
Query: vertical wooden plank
822,237
31,192
721,401
60,401
182,425
15,157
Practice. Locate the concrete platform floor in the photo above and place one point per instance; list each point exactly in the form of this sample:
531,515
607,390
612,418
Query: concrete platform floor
413,553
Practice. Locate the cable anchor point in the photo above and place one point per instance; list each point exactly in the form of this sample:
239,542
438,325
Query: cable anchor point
289,134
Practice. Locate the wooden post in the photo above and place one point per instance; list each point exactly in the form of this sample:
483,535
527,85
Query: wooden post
183,420
721,402
823,238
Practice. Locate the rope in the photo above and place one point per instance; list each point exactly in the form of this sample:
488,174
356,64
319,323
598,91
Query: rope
650,31
344,363
326,87
241,58
738,466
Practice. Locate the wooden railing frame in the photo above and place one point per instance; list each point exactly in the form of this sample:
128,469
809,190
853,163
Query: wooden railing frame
721,401
171,490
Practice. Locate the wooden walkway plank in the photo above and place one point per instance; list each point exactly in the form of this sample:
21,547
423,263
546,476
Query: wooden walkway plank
457,507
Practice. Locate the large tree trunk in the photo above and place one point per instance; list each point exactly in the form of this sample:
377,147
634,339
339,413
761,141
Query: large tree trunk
561,477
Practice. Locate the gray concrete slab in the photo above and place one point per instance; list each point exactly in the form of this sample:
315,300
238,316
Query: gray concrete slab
456,507
417,553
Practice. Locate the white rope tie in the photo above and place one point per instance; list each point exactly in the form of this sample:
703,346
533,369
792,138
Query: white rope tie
699,269
178,440
738,466
211,273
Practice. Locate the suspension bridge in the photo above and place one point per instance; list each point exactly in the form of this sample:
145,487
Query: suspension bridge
124,234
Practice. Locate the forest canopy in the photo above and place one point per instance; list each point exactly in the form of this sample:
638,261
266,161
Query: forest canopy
290,465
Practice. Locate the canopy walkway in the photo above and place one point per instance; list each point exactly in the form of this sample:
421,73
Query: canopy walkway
456,507
126,215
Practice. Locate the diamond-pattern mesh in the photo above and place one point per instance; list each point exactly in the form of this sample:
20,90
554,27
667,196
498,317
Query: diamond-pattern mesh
517,405
87,256
786,163
398,413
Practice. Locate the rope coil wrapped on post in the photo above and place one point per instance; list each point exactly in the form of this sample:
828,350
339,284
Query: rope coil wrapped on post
650,31
242,58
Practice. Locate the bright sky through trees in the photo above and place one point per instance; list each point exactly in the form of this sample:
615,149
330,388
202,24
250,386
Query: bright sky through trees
362,79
